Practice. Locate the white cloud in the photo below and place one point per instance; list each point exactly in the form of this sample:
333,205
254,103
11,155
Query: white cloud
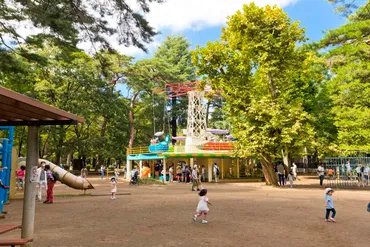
181,15
178,15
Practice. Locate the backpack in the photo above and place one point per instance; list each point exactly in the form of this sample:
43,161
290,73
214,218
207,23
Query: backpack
55,177
368,207
217,171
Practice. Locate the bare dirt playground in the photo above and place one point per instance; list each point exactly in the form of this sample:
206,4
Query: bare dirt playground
243,214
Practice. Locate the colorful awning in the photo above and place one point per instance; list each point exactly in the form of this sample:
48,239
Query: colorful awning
144,157
196,155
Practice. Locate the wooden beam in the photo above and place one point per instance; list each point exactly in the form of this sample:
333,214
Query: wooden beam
23,102
37,122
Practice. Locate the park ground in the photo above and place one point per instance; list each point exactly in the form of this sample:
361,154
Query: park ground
242,214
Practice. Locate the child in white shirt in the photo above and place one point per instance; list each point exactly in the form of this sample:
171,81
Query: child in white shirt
114,188
202,207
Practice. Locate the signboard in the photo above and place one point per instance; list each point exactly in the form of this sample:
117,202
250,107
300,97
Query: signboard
34,178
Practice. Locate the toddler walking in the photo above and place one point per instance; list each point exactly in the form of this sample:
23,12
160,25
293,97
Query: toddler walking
202,206
290,177
114,187
329,205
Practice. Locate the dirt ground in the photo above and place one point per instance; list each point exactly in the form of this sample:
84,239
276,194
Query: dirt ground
242,214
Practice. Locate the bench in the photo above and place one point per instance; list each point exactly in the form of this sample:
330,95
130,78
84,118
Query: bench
15,242
12,242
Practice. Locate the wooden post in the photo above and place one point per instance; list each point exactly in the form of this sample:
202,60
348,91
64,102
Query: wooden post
141,168
28,218
237,168
192,162
128,169
222,168
164,171
210,170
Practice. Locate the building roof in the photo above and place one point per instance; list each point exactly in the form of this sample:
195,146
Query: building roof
144,157
19,110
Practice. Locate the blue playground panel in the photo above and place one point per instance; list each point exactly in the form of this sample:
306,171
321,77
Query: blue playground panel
6,161
167,178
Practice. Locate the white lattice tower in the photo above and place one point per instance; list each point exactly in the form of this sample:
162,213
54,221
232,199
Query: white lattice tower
197,111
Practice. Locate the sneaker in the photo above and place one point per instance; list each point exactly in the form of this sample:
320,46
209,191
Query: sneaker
204,222
114,198
48,202
332,220
45,201
195,217
326,220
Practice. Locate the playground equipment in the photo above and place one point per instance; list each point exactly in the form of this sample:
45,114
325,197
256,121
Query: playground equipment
145,172
160,147
63,176
6,146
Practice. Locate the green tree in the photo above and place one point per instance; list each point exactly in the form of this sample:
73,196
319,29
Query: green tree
68,22
143,77
257,66
349,61
175,52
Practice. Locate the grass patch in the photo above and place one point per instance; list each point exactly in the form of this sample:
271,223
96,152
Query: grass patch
71,195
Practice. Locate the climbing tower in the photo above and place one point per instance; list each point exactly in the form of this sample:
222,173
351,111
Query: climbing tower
197,113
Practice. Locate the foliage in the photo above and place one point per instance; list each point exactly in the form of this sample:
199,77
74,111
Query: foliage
174,51
348,57
261,73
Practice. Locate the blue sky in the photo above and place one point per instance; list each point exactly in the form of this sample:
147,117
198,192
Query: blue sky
316,16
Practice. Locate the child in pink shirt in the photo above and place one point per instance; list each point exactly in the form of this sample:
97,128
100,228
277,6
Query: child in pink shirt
21,172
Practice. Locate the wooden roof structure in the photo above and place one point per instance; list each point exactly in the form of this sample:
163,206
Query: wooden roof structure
19,110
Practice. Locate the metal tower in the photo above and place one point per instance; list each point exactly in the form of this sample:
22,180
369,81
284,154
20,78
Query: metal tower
197,112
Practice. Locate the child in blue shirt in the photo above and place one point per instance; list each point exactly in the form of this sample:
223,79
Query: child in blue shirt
329,205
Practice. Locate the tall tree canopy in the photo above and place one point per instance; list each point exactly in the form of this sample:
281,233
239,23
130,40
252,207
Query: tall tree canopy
262,75
175,52
349,87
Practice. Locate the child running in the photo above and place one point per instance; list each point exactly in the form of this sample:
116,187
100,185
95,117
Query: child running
202,206
329,205
114,188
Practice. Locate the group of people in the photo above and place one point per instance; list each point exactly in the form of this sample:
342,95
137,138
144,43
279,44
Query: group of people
361,173
283,175
45,179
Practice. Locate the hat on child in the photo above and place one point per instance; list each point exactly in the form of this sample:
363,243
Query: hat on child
113,178
327,190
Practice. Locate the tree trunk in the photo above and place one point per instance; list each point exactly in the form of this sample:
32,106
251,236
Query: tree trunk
131,119
269,172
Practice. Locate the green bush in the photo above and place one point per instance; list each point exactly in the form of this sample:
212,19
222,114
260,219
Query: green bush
88,167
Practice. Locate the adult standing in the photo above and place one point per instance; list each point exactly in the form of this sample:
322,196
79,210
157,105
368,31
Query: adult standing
203,173
294,170
320,171
51,182
170,173
184,173
194,176
281,172
156,170
41,181
366,174
348,167
178,172
216,172
102,171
